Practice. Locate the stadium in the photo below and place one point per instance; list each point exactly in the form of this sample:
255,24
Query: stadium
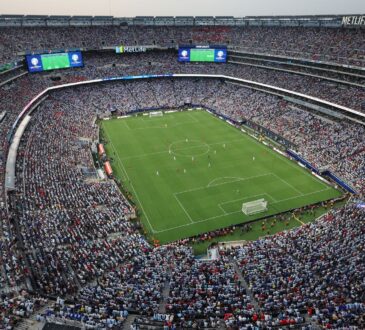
182,172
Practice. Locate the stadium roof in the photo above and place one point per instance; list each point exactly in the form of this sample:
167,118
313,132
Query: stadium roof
304,20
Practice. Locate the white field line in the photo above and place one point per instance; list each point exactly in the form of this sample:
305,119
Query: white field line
274,199
187,148
219,216
176,151
126,124
241,199
220,184
223,210
288,184
168,126
289,161
120,163
308,194
282,158
236,178
183,208
195,119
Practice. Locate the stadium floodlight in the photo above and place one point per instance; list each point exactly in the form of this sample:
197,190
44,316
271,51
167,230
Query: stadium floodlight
253,207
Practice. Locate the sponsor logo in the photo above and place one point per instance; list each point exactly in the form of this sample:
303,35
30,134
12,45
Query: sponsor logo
34,61
75,58
131,49
184,53
220,54
353,20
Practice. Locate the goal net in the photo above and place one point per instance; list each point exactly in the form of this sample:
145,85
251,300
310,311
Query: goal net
156,114
257,206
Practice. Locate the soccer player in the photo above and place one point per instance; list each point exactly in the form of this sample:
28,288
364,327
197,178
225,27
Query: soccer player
157,173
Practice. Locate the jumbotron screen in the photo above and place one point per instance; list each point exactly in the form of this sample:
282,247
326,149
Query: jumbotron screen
218,55
45,62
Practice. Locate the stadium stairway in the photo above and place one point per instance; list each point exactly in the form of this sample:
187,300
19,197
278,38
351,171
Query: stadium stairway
244,283
256,305
31,323
165,294
129,321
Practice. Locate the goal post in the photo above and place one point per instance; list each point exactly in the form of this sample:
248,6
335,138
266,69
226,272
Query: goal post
156,114
257,206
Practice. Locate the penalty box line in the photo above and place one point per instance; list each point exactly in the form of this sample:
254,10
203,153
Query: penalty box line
220,184
219,204
230,213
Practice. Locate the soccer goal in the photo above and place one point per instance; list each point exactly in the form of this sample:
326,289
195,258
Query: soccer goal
156,114
253,207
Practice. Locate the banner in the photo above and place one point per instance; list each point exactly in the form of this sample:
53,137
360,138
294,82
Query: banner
353,20
130,49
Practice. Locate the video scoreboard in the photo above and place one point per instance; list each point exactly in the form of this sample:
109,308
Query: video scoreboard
216,54
46,62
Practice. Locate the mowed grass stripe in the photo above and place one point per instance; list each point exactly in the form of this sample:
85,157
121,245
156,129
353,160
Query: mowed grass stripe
197,152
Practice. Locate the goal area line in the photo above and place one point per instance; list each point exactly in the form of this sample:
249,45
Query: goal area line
235,212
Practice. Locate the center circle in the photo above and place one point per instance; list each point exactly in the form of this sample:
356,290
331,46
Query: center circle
189,148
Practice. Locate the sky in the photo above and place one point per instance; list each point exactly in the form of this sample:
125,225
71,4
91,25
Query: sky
131,8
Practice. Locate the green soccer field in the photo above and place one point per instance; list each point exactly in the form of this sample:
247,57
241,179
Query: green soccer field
189,172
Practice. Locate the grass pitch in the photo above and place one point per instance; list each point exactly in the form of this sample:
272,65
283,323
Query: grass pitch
189,172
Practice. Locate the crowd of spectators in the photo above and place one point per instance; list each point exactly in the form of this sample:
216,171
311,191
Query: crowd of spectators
206,291
14,97
110,65
327,44
15,307
77,241
317,269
